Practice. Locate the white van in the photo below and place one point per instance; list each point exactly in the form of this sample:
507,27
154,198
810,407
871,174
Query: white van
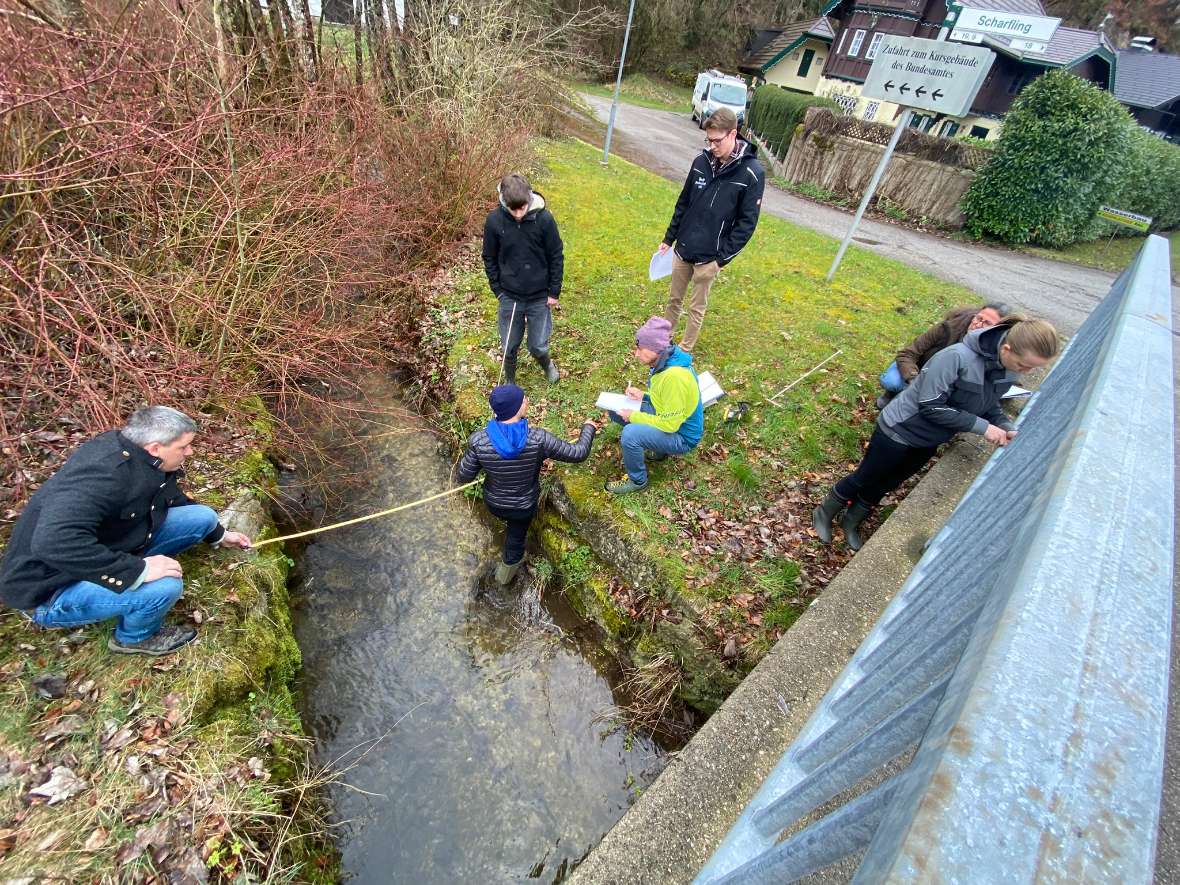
715,90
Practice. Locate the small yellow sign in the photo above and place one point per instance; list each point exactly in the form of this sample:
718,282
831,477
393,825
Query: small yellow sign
1130,219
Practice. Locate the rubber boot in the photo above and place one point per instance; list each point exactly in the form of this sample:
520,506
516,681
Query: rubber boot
505,572
551,373
851,520
510,369
822,516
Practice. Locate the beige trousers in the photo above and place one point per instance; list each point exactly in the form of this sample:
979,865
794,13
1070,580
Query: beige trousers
701,276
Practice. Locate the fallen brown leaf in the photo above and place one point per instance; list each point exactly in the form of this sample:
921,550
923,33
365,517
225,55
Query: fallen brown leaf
63,727
51,841
96,840
62,784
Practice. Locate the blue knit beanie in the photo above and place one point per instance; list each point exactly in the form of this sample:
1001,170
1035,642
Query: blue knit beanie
505,400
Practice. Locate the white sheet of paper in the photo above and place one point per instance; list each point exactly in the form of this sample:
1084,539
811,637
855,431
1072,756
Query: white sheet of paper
710,390
616,402
1016,391
660,265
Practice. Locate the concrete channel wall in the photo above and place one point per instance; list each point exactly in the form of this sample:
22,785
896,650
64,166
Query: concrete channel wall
669,834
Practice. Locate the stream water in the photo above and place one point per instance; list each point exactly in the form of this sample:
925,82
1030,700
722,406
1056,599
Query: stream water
469,716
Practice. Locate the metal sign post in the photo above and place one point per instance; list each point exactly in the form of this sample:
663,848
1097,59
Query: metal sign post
902,122
614,108
931,75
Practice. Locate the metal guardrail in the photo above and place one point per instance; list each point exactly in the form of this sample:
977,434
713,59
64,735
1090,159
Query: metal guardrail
1004,720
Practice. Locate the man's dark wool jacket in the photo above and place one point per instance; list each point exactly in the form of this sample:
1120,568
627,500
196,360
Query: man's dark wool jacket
92,521
718,207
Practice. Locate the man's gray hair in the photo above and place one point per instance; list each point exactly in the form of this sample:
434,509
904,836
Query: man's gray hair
999,307
157,424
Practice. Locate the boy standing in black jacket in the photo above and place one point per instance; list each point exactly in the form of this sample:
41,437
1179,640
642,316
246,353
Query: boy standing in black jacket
511,454
522,255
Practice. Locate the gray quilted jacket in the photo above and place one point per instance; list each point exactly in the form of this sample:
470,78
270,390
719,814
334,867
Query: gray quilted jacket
958,391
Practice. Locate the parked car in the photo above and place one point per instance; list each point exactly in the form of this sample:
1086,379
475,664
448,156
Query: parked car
714,90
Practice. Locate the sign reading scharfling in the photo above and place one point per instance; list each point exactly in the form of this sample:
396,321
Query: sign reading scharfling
1122,216
1032,28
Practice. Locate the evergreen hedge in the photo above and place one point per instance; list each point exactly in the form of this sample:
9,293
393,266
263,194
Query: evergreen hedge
775,112
1149,184
1061,154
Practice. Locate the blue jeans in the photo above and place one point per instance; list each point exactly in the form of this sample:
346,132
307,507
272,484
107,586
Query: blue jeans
514,317
892,381
638,438
140,611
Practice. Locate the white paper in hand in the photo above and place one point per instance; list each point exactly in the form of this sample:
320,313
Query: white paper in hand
660,266
616,402
1016,391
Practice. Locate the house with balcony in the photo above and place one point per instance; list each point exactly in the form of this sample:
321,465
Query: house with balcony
859,26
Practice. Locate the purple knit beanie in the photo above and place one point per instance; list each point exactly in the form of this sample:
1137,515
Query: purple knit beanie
655,334
505,400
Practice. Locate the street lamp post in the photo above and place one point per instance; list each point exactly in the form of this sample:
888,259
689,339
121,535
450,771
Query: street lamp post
614,108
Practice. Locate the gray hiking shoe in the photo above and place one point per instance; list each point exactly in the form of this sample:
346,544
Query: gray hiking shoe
163,642
624,486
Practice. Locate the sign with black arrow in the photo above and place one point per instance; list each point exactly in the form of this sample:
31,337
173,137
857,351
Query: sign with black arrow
929,75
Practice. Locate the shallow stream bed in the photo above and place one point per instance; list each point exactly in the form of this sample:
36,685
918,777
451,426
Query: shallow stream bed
470,720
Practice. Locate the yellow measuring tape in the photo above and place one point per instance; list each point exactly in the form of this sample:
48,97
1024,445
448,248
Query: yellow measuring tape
340,525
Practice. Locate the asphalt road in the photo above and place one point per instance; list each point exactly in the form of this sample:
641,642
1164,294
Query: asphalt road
665,143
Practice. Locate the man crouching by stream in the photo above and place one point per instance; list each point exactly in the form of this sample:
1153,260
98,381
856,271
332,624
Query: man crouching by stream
97,540
511,454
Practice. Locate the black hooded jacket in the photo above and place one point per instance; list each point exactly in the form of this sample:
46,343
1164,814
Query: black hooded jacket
718,209
523,259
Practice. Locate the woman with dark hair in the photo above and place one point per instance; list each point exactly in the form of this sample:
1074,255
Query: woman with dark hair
951,329
957,391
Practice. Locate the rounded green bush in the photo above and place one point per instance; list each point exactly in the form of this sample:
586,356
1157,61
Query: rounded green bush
1061,152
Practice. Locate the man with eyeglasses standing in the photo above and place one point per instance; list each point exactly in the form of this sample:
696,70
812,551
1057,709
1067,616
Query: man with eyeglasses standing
714,218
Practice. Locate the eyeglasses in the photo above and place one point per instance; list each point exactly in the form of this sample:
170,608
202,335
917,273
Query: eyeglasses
718,139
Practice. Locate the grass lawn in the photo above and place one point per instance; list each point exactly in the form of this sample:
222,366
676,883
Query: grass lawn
644,91
1107,254
730,522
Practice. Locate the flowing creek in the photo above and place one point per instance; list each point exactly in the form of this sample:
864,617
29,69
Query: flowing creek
469,719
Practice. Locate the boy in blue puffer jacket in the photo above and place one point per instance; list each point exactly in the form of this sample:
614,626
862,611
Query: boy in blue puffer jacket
511,454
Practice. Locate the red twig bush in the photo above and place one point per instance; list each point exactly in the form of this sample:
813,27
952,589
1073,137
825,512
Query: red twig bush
177,227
